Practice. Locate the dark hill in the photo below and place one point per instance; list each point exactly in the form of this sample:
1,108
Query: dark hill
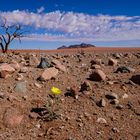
83,45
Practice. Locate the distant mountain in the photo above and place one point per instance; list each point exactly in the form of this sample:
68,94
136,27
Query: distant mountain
83,45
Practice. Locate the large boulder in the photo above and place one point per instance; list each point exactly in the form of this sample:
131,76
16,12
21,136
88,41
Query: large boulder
48,74
6,70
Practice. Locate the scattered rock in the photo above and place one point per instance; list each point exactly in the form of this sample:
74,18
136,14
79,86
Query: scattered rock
125,96
95,66
6,70
101,120
112,96
102,103
12,98
15,65
58,65
44,63
96,61
137,111
71,92
44,114
83,65
117,55
124,69
135,79
4,74
33,115
86,92
115,130
20,77
131,69
97,75
25,97
48,74
130,82
33,61
12,117
21,87
112,62
2,95
115,101
23,70
129,55
137,137
86,86
110,82
38,85
130,105
119,107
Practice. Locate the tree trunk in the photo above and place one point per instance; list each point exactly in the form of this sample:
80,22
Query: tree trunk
6,48
2,48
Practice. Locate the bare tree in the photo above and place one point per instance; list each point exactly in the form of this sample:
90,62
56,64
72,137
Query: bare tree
9,34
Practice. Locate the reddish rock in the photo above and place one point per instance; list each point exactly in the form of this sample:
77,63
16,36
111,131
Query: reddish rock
112,62
37,85
102,103
19,77
101,120
48,74
23,70
33,61
95,66
33,115
86,86
98,75
59,66
12,117
6,70
72,91
4,74
96,61
15,65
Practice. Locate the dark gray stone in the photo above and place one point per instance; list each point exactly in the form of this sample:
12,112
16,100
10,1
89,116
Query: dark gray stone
123,69
45,63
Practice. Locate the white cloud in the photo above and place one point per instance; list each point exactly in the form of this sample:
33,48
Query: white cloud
70,26
40,10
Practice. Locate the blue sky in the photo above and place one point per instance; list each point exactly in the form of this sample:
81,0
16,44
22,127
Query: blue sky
53,23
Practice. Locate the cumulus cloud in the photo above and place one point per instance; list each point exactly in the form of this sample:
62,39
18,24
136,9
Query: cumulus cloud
70,26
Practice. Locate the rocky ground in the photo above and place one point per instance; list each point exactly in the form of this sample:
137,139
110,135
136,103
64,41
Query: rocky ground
99,99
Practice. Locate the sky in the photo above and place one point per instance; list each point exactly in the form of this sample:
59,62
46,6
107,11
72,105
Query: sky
53,23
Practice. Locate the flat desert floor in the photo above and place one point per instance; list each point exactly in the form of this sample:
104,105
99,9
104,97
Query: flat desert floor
98,95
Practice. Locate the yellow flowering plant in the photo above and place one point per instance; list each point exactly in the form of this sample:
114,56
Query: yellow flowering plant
55,90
